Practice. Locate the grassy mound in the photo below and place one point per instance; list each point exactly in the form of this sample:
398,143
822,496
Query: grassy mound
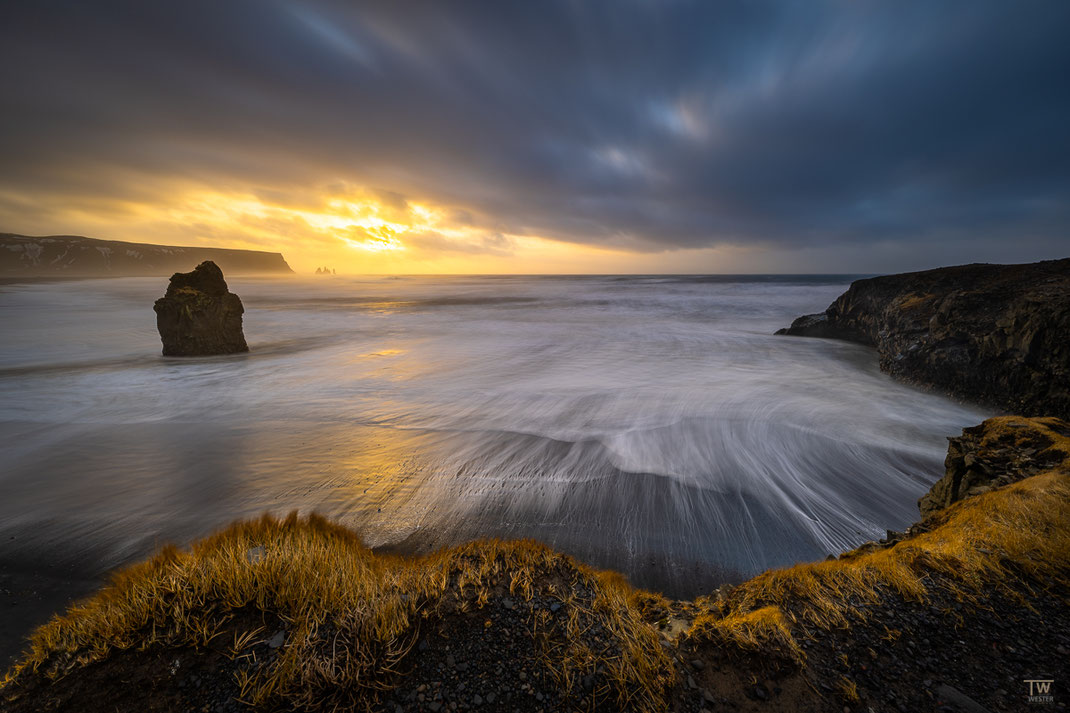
350,615
310,618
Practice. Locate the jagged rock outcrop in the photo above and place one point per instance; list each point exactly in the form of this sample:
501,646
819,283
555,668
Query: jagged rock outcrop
199,316
994,334
998,452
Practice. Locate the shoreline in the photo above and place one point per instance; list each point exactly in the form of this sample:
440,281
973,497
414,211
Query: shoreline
915,621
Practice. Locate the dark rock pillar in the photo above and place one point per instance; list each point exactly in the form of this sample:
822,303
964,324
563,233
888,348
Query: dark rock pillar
199,316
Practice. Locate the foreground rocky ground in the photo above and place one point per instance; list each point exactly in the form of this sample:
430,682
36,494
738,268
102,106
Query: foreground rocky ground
993,334
954,614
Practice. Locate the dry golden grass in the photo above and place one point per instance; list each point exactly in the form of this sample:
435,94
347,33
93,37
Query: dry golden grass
1019,431
1012,537
350,615
912,301
757,631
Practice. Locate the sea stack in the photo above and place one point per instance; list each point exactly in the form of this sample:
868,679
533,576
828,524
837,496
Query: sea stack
199,316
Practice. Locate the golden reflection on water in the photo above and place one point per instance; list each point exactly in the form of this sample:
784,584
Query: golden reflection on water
367,477
357,358
386,307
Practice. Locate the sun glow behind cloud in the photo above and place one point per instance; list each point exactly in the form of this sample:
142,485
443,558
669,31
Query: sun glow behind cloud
354,228
345,227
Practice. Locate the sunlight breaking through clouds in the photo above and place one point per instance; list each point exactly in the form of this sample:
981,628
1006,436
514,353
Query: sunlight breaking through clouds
365,220
350,228
710,137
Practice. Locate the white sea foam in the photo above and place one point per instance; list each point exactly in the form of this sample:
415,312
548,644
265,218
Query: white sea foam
650,424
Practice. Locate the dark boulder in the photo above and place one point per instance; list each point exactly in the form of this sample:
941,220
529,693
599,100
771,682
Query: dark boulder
199,316
994,334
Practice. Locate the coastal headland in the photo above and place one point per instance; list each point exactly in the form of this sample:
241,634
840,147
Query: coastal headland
991,334
73,256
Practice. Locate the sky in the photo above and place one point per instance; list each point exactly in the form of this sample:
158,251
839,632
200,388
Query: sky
613,136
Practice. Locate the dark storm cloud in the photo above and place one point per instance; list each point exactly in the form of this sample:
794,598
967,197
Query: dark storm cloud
649,125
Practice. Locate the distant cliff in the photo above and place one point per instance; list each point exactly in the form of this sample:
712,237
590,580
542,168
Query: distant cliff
995,334
75,256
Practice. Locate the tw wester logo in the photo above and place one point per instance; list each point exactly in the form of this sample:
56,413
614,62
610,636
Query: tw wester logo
1040,690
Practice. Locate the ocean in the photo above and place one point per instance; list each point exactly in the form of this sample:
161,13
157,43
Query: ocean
649,424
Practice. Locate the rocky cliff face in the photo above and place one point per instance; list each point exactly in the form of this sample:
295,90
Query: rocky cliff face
75,256
994,334
199,316
998,452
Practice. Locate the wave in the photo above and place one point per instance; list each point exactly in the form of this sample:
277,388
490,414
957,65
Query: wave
651,424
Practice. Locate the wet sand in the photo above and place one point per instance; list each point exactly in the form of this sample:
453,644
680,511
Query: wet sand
29,596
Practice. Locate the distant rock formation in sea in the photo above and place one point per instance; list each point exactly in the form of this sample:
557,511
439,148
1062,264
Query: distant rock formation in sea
199,315
994,334
75,256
